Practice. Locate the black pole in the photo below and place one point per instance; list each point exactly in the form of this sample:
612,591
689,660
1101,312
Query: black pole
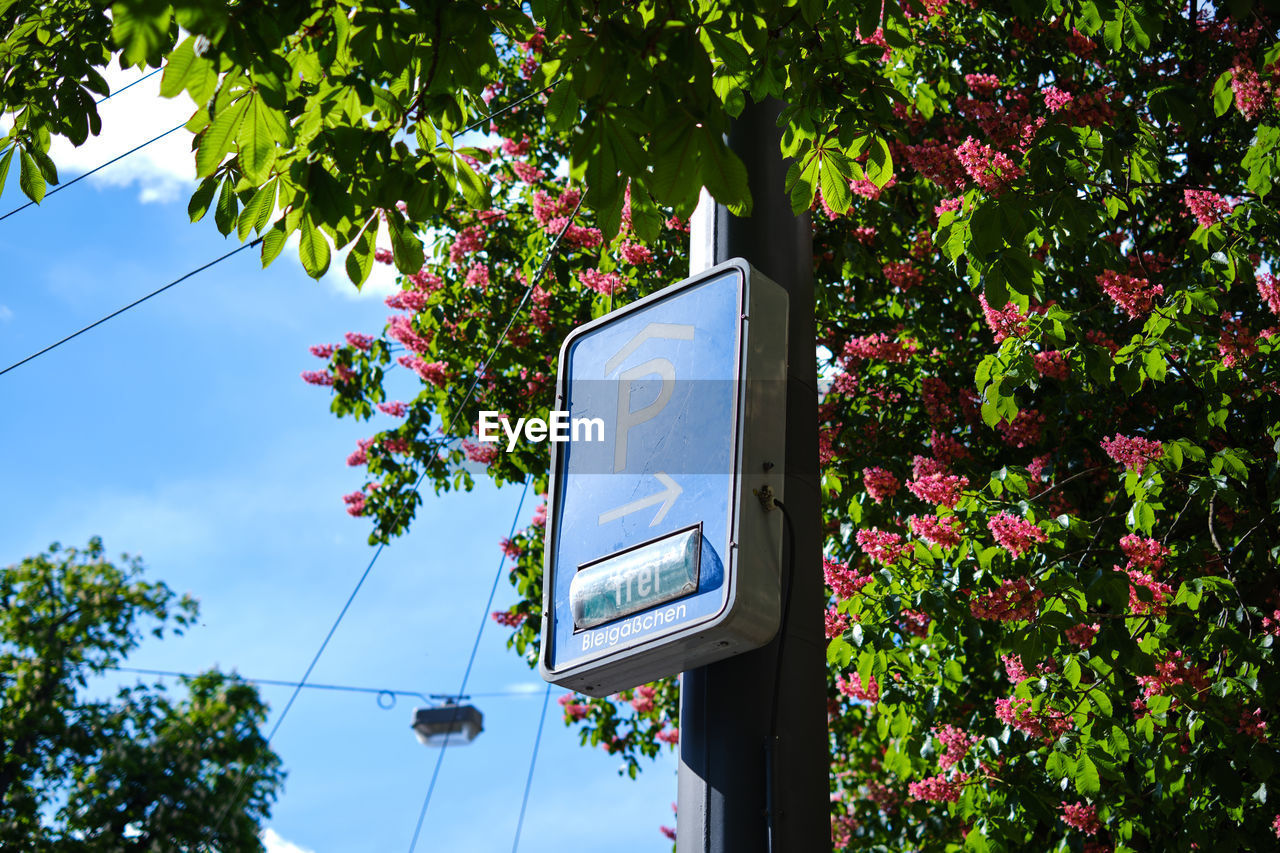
741,789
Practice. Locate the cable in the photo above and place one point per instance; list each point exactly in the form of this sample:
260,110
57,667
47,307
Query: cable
484,619
786,604
132,304
110,95
528,782
60,187
274,682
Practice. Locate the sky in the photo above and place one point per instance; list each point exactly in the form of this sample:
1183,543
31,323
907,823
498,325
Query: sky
180,431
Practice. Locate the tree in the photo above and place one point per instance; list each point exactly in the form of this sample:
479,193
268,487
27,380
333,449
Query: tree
1045,238
140,771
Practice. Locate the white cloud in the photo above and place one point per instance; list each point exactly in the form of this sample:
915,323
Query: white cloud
275,844
164,171
529,687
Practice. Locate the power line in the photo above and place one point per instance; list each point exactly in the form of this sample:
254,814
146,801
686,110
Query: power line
346,688
484,619
132,304
528,782
60,187
110,95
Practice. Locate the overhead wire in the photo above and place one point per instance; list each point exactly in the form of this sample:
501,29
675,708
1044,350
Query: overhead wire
533,761
466,674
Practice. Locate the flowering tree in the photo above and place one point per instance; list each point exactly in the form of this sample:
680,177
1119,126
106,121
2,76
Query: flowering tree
1044,242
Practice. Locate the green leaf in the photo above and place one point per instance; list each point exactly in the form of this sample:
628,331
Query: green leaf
1222,93
562,107
200,199
406,248
228,206
177,68
218,139
141,29
1072,671
1086,775
879,163
834,180
30,178
313,248
360,257
4,165
256,141
724,175
257,213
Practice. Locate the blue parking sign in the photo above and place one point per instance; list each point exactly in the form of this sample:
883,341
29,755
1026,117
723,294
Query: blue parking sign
659,553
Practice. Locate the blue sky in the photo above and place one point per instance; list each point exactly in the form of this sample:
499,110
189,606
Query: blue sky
181,431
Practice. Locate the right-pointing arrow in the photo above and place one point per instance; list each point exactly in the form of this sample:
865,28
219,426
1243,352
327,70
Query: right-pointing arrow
666,497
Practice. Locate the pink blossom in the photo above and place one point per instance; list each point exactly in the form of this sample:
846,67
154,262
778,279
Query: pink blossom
878,347
1052,364
407,300
1207,207
943,532
1006,322
1014,601
510,548
948,205
844,582
355,503
668,831
1135,295
867,188
467,242
607,283
982,84
1275,824
1143,551
400,328
635,254
1252,724
508,618
1014,534
880,484
395,408
1252,93
671,735
1237,343
1175,670
1132,452
1082,635
955,742
854,689
1049,724
384,256
1013,668
361,454
1054,98
317,377
432,372
1268,289
1024,430
940,489
527,172
836,623
880,545
902,274
642,700
485,453
1082,817
1160,593
478,276
914,622
546,208
938,789
991,170
573,711
323,350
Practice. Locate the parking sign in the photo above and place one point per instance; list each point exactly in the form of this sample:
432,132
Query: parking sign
660,555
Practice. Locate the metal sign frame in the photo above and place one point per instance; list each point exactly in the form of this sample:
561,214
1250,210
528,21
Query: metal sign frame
750,612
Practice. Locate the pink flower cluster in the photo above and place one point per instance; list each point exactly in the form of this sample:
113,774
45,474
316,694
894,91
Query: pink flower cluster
508,618
853,688
1054,98
361,454
1252,724
1082,635
880,545
407,300
635,254
935,393
484,454
671,736
400,328
1143,551
844,582
880,484
1049,723
955,745
1052,364
938,789
1175,670
1237,343
642,699
1135,295
573,711
878,347
1160,593
1006,322
1082,817
467,242
992,170
317,377
1207,207
395,408
432,372
943,532
902,274
1268,289
1133,452
607,283
327,350
835,623
1252,93
1024,430
941,489
1015,535
355,503
1014,601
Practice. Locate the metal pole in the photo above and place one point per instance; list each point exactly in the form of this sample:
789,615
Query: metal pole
742,791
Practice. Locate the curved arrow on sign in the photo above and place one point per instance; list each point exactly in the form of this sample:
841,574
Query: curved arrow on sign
666,497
